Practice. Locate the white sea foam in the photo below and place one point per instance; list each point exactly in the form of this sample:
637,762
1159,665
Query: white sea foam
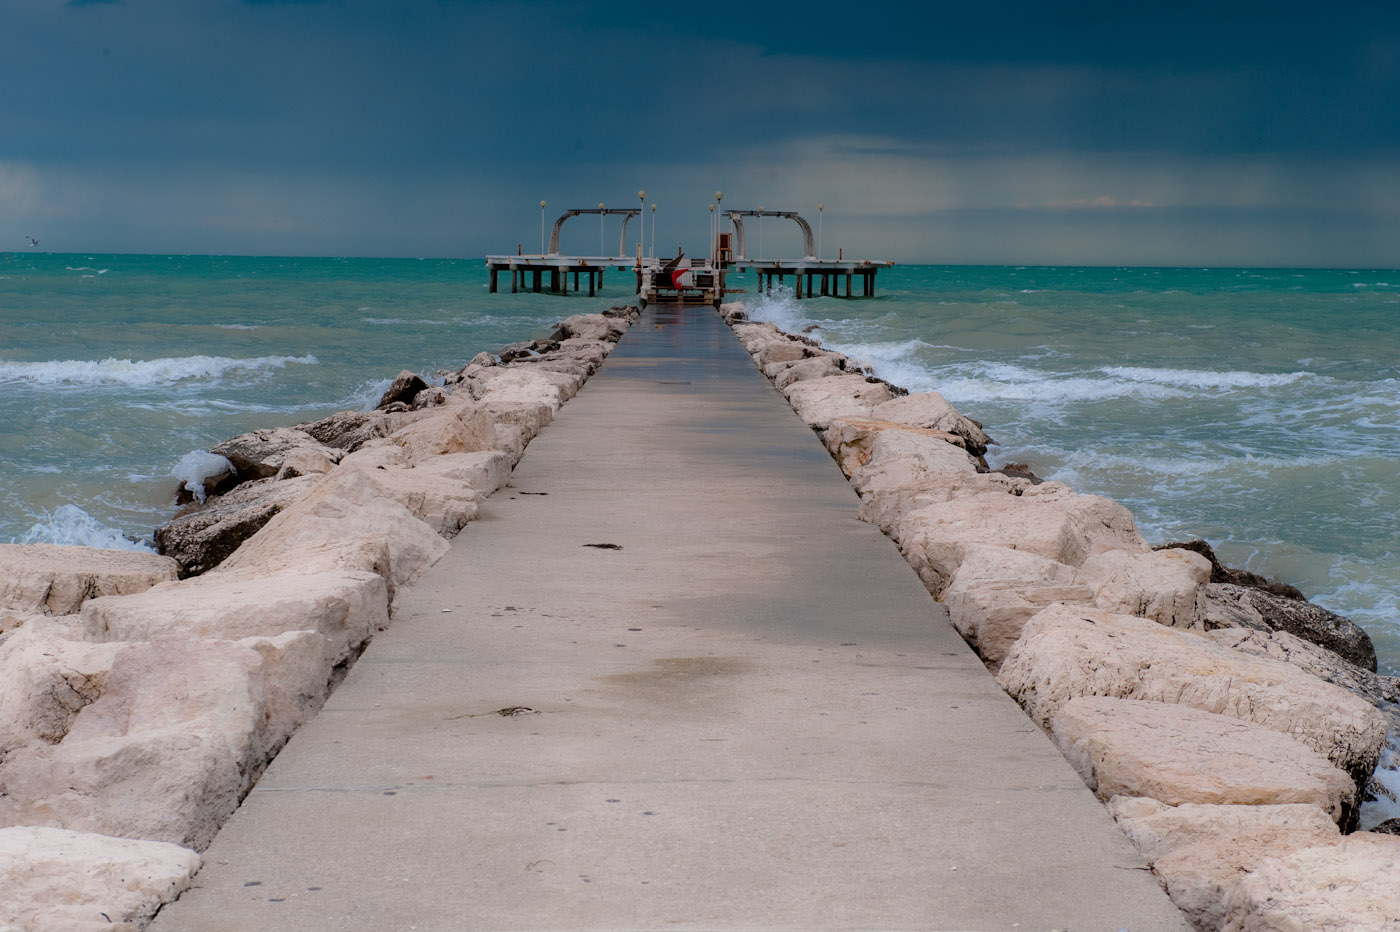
69,524
1196,378
138,373
197,466
236,326
777,306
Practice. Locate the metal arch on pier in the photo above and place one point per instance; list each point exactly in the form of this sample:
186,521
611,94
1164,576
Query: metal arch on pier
627,214
809,249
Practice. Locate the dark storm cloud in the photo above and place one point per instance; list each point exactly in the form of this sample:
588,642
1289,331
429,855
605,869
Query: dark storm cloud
418,115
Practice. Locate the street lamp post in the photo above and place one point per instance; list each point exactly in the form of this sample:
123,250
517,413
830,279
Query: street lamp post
602,250
760,231
641,213
714,236
541,227
820,207
653,229
719,213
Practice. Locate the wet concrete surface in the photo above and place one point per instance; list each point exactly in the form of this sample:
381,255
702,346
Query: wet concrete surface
745,713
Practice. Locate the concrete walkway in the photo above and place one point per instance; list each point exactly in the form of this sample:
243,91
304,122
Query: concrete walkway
746,712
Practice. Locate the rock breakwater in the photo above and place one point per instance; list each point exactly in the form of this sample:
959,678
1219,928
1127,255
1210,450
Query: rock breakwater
1231,727
141,695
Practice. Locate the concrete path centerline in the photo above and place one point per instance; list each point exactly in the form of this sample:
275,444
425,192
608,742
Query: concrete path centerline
745,713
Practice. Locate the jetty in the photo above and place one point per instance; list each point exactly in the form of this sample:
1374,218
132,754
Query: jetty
668,680
549,271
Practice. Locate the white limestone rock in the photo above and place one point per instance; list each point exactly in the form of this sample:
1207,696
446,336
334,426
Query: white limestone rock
821,401
818,366
344,524
1350,886
931,410
593,327
1048,519
892,488
56,880
1201,851
45,681
520,385
1070,651
177,784
296,674
346,606
861,444
1178,754
56,579
444,504
996,590
1157,829
1159,584
452,428
184,681
776,351
260,454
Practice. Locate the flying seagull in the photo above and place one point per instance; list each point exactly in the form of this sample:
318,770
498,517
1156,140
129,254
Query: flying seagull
32,241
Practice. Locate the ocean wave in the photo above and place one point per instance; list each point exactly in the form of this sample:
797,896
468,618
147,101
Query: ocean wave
1039,388
139,373
69,524
1196,378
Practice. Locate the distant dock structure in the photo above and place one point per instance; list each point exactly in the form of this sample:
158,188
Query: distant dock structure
693,281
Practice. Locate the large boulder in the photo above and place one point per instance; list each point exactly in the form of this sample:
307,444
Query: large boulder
56,579
1048,519
1177,754
1225,605
403,389
1157,829
346,606
932,411
213,684
819,366
892,488
442,502
61,881
259,454
515,423
177,784
1220,573
531,385
1157,584
344,524
1201,851
592,327
45,681
780,351
821,401
1350,886
860,444
296,673
453,428
349,430
996,590
1381,691
1070,651
201,536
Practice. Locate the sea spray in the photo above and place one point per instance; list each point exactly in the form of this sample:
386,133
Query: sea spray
69,524
197,466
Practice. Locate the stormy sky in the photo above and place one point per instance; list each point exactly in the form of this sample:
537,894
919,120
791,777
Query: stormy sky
1005,131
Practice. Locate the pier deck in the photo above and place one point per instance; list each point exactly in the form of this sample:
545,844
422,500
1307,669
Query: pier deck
748,716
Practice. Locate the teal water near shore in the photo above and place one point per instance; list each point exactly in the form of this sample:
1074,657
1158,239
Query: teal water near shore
1256,408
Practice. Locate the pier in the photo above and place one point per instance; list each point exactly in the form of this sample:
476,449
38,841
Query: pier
549,271
668,680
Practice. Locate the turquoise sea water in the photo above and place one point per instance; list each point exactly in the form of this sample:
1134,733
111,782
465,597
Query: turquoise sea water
1259,409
